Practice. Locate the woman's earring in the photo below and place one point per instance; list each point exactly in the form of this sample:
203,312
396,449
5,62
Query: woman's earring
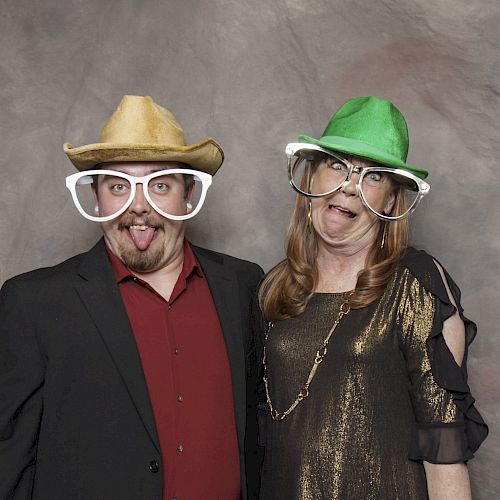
384,235
189,206
309,218
96,209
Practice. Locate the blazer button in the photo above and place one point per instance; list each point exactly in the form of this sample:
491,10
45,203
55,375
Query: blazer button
153,466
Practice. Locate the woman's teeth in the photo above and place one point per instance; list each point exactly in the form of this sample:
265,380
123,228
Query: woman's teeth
344,211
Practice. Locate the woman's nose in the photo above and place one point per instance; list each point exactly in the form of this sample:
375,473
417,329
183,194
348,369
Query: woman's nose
349,188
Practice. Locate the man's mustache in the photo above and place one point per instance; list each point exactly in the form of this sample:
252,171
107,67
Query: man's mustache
148,220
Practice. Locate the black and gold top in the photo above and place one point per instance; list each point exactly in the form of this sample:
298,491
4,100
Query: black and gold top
387,396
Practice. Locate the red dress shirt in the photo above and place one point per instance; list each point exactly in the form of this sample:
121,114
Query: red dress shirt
184,358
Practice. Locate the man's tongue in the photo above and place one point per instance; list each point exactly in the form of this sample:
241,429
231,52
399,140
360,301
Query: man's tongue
142,237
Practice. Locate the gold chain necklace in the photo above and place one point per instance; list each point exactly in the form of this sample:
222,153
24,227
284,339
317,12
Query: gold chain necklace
320,355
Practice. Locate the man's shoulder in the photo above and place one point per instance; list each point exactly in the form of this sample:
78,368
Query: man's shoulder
48,276
234,263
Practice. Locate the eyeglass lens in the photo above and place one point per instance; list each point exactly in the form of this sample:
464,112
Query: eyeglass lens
104,195
316,173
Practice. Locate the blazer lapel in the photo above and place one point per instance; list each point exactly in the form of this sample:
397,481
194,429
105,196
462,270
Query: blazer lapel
223,285
100,294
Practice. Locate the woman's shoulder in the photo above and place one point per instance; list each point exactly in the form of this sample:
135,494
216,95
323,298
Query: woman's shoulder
428,271
418,260
420,263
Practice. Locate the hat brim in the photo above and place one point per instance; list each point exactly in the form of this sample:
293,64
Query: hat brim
206,156
359,148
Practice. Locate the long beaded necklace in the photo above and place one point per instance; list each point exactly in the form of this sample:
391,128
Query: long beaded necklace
320,355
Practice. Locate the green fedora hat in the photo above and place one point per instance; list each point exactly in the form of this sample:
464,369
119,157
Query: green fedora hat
369,127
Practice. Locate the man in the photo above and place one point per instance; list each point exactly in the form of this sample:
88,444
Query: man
129,371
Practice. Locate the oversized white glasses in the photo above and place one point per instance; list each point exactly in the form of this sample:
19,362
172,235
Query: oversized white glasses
102,195
316,172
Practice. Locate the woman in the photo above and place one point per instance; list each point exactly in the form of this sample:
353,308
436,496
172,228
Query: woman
365,352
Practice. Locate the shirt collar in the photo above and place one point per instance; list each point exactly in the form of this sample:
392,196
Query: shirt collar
191,265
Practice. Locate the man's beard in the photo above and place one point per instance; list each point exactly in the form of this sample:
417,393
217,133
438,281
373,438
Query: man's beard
141,261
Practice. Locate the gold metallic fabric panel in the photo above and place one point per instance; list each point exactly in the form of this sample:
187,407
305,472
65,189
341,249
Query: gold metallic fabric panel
350,438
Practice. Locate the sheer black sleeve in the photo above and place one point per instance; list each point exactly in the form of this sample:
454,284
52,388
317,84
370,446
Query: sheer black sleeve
448,427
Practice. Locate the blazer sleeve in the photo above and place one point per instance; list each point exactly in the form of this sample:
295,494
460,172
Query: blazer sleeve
254,453
21,384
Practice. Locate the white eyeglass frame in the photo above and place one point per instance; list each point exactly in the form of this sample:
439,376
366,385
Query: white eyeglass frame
206,181
292,149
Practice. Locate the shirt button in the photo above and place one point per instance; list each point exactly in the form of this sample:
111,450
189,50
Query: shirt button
170,307
153,466
180,448
177,351
180,398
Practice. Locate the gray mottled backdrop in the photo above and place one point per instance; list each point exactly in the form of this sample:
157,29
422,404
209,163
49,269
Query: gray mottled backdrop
254,75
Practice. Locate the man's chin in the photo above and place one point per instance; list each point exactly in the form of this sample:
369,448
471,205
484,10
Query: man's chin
142,261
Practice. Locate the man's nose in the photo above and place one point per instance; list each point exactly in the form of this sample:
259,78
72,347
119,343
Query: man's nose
139,204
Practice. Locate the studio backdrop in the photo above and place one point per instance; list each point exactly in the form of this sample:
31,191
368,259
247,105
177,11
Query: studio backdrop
254,75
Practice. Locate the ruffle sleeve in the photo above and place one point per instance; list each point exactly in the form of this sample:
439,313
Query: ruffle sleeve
448,429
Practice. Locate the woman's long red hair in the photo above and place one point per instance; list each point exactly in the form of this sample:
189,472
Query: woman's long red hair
287,288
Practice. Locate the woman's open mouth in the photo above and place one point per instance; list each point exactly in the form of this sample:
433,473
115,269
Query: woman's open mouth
343,211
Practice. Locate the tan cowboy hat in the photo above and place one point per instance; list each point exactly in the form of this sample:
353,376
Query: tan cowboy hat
141,130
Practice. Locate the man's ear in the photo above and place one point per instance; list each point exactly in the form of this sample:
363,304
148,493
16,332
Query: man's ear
189,191
96,199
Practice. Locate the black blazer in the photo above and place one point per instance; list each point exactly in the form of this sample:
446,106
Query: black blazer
75,416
